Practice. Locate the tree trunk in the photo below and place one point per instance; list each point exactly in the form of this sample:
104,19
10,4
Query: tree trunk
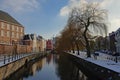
73,48
77,46
87,42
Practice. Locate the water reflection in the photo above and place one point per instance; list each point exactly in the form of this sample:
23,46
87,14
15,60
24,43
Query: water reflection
68,71
52,67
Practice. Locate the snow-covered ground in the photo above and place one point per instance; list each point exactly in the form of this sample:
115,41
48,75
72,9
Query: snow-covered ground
5,59
104,60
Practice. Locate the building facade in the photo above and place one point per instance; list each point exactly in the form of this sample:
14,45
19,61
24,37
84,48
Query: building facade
10,30
41,42
30,40
117,37
112,41
36,43
49,45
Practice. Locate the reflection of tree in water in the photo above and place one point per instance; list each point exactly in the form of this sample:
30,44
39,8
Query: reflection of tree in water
68,71
55,58
25,72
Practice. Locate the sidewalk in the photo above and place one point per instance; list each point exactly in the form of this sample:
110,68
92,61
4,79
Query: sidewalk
109,64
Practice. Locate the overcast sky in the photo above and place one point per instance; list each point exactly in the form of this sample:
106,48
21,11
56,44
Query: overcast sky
48,17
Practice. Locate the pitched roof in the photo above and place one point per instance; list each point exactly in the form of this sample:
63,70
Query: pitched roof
6,17
29,37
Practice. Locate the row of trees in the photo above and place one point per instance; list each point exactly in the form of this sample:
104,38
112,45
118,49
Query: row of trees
84,25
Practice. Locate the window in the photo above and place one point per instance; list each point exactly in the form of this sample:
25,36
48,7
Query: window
8,34
17,35
21,30
21,35
2,25
8,26
13,28
12,34
17,29
2,33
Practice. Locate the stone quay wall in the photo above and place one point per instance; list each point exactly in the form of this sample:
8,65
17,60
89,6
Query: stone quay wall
10,68
96,70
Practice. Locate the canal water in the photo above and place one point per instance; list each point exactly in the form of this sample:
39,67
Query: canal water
52,67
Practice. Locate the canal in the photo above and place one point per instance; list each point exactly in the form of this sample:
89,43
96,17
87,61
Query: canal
51,67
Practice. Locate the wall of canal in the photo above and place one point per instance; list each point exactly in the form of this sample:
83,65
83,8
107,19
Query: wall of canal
10,68
101,72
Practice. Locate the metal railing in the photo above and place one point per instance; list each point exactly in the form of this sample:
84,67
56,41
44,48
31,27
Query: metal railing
100,56
10,58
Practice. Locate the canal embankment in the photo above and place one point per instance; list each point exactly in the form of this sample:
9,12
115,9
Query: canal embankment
95,69
11,67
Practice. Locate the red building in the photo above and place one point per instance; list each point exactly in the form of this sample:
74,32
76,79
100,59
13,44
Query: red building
49,45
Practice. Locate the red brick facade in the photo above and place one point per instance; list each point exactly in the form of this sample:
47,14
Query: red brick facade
10,32
9,49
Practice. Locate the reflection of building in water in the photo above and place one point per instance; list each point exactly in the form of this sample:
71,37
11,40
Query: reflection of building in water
49,58
43,61
36,67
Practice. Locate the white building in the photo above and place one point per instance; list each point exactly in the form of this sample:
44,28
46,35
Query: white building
42,43
31,40
34,38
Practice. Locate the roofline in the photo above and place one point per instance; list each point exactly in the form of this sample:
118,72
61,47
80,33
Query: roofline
12,23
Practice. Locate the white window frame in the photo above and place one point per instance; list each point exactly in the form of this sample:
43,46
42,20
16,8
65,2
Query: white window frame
13,35
17,35
8,26
13,27
8,33
2,32
2,25
21,29
17,28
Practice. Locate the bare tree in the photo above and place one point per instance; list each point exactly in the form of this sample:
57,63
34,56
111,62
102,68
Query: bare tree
90,19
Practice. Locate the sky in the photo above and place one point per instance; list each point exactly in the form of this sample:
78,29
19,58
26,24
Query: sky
49,17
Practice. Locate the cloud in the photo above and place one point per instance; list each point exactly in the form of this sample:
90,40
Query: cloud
106,3
71,4
111,5
19,5
78,3
115,24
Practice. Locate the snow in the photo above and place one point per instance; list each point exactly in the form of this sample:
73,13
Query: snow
103,60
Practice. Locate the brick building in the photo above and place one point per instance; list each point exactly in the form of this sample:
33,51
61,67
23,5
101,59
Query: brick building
11,33
10,29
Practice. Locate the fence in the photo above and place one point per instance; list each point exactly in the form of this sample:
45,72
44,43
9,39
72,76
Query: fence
4,59
100,56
